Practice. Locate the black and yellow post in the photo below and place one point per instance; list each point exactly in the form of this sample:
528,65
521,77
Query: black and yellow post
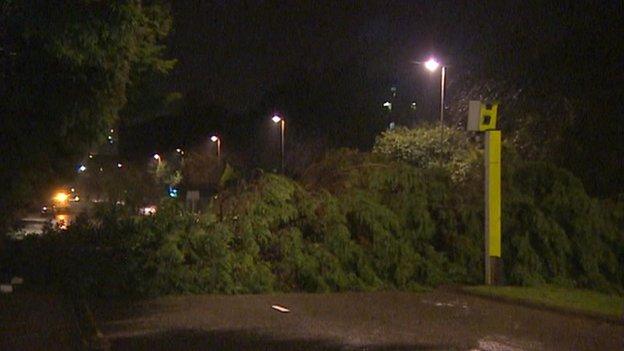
482,117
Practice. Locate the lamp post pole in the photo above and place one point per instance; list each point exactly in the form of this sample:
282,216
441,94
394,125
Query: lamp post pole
217,140
219,149
432,65
442,87
277,119
282,127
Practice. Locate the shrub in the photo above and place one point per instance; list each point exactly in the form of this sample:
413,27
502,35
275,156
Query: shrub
355,221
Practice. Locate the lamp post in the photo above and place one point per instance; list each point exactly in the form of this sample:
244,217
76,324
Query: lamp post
216,139
277,119
157,158
432,65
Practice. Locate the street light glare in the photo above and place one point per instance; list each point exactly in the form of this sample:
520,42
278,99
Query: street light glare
214,138
432,65
61,197
156,157
276,119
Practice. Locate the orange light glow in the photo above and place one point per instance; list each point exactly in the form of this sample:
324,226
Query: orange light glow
61,198
62,221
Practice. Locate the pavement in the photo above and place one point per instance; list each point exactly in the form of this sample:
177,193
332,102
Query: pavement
35,320
438,320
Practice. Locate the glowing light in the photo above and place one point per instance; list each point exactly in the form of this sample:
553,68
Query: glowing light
432,65
62,221
276,119
214,138
147,210
61,198
119,165
82,168
387,105
156,157
173,192
90,156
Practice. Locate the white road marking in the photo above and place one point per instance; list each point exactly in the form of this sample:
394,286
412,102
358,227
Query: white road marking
280,308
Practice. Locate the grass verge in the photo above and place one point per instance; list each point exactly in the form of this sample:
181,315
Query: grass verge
566,298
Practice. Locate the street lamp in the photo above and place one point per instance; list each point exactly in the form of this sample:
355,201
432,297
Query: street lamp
432,65
216,139
277,119
157,158
60,199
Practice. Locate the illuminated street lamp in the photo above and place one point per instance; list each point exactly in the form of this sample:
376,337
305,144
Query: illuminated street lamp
216,139
277,119
156,157
60,199
432,65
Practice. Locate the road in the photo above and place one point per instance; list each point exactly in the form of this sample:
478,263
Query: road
439,320
36,321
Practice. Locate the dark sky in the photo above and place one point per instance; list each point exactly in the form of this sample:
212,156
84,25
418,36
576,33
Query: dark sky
236,50
233,51
329,65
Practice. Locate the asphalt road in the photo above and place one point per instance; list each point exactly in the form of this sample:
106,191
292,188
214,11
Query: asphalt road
439,320
36,321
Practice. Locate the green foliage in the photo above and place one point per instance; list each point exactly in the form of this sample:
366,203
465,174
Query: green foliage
557,296
355,221
560,234
430,147
202,169
66,70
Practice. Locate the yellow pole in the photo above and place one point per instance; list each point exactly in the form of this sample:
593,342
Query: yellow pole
492,206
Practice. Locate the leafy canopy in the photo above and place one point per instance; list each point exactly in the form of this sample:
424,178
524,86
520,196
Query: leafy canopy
66,70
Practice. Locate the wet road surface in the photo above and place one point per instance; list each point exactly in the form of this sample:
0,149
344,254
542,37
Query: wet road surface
439,320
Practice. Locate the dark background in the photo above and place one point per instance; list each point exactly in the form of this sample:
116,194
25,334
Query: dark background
329,66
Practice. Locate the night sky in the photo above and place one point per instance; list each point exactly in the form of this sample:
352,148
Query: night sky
329,66
234,51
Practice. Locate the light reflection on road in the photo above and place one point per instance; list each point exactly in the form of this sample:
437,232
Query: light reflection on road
63,220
